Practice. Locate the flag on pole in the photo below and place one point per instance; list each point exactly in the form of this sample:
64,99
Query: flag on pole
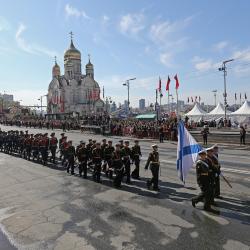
103,92
159,87
235,96
245,96
176,82
168,83
187,151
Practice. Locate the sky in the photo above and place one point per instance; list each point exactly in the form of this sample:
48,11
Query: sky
146,39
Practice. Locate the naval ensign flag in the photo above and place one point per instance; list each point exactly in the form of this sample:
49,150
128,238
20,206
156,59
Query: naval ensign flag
187,151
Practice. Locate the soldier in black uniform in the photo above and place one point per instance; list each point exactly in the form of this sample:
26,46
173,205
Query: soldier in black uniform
117,165
104,165
126,156
97,160
205,182
215,171
89,148
71,157
136,154
53,146
217,177
153,161
82,156
108,151
60,143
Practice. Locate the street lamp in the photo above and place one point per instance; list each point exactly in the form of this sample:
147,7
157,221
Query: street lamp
127,83
224,69
41,100
214,91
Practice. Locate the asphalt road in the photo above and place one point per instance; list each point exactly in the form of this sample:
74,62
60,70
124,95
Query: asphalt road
45,208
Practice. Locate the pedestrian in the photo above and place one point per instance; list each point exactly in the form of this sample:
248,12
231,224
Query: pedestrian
82,156
71,158
108,151
126,157
205,133
154,163
53,146
97,161
117,166
204,182
242,135
161,134
136,154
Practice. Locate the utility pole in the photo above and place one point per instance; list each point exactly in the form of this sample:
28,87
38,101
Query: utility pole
224,69
215,92
127,83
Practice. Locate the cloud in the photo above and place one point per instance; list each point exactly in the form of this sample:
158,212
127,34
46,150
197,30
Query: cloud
131,24
201,64
74,12
243,55
4,24
31,48
220,45
165,59
163,32
105,18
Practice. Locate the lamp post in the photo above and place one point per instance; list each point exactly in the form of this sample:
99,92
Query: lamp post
224,69
41,102
215,92
127,83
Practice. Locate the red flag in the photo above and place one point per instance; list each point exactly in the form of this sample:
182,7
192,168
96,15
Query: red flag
168,83
176,82
159,88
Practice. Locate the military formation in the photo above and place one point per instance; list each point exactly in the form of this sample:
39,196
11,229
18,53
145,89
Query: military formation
208,178
91,157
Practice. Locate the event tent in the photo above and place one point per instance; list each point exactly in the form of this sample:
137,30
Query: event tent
219,110
242,115
196,113
244,110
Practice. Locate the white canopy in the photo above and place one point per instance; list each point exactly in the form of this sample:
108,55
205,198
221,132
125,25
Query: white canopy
196,111
219,110
244,110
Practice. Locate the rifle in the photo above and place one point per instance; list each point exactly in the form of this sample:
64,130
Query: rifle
224,178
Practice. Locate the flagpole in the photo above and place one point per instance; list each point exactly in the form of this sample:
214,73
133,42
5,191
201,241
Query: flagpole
168,104
177,105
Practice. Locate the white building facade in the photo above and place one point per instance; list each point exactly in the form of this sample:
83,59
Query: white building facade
74,91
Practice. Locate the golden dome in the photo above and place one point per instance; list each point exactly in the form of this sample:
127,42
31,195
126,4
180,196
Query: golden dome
72,52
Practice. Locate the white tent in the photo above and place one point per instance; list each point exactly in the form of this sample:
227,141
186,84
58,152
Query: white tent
242,115
219,110
196,113
244,110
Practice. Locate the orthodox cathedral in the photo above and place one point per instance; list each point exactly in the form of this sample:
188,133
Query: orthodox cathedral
73,91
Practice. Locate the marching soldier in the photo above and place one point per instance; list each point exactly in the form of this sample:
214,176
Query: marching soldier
35,147
217,178
70,157
103,146
136,154
126,155
153,161
63,147
89,148
60,143
53,146
44,144
108,151
215,171
82,156
205,182
121,144
97,160
117,165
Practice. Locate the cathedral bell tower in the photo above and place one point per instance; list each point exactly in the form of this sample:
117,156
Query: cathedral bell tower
90,69
56,70
72,62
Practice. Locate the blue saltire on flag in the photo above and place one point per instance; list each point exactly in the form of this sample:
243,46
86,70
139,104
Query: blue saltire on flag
187,151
